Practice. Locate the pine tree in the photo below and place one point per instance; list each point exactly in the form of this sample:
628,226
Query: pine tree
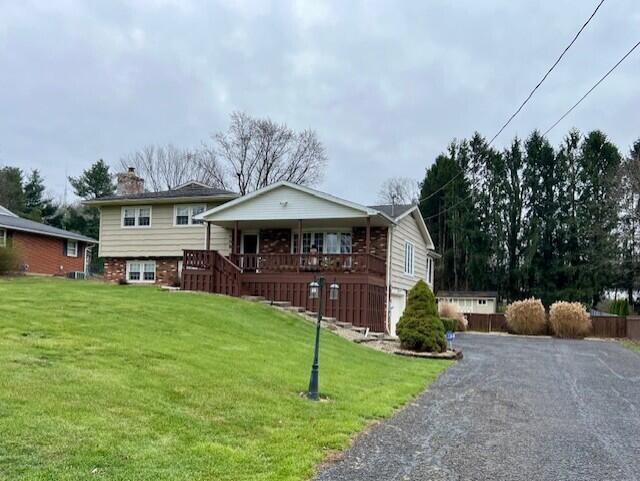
12,190
37,206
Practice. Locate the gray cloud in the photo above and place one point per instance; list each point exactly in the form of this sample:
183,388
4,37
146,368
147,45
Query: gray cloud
386,84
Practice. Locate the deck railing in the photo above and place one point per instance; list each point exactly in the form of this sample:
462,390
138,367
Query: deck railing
273,263
210,271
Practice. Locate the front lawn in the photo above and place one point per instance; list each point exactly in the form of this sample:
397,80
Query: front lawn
133,383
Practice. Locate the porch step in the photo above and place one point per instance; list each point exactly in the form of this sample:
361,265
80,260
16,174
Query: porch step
346,325
294,309
360,330
253,298
282,304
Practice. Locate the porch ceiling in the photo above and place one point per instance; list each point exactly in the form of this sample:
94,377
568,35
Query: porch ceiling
306,223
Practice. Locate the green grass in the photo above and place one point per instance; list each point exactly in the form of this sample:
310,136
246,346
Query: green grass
133,383
633,345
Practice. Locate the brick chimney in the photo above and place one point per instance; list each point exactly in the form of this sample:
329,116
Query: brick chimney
129,183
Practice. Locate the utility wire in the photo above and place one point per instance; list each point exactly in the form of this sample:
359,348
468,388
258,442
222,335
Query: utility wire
591,89
525,100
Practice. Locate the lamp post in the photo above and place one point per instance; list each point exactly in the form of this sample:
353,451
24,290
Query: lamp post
316,291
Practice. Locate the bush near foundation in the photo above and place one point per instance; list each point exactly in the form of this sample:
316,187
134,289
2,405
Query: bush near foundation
420,328
526,317
448,310
8,261
569,319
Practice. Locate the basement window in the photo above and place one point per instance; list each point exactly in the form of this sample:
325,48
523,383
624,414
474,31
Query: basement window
141,271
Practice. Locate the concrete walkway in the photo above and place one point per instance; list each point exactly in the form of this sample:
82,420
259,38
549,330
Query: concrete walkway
514,409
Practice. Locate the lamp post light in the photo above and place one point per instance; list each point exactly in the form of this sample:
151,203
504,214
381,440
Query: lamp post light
316,291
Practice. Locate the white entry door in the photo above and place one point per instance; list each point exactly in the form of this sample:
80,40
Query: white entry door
397,305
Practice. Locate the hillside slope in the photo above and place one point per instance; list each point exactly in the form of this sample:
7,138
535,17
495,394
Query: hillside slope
120,382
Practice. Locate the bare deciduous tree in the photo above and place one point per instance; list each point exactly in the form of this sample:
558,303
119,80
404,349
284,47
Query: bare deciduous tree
251,154
399,190
167,167
259,152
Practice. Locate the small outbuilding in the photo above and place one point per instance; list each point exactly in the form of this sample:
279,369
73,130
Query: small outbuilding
471,302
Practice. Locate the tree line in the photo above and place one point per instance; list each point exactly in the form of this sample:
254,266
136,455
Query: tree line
557,223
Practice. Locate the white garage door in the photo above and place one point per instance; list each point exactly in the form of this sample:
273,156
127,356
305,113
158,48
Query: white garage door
398,302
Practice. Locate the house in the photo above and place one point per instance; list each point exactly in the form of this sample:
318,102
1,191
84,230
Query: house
43,249
471,302
271,243
143,234
285,235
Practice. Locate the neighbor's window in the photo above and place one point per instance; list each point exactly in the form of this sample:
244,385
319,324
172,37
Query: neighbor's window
482,301
185,214
136,216
141,271
3,238
409,258
72,248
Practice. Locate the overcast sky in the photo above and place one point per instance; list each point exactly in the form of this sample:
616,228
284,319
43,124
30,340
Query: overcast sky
386,85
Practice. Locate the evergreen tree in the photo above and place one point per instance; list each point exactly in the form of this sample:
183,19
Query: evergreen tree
37,206
597,213
12,190
95,182
512,216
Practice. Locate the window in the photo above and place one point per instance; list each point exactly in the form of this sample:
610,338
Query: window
136,216
141,271
72,248
325,242
408,258
3,238
482,302
184,214
429,273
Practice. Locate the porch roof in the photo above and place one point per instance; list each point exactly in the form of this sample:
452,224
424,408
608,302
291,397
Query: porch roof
283,204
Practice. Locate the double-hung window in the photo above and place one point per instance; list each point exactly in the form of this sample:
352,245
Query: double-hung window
409,260
184,214
136,216
3,238
324,242
72,248
141,271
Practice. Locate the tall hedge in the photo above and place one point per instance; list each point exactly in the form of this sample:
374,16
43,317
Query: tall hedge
420,328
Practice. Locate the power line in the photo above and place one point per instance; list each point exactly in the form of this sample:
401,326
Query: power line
591,89
528,97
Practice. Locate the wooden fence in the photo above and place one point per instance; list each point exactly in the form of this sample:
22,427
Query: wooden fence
603,326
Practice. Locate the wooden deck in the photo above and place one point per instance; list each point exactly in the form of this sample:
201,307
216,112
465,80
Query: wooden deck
286,277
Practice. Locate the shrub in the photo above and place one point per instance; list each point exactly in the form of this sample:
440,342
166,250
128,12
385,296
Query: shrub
526,317
9,261
569,319
420,328
452,311
449,324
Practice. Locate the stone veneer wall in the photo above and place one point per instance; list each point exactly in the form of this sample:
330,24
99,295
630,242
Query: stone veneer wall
115,269
378,241
278,241
275,241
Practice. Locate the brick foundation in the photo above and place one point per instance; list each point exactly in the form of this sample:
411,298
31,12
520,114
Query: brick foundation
115,269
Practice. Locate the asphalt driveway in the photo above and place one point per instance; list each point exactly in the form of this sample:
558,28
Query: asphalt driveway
513,409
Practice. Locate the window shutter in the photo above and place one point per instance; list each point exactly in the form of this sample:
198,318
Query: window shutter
64,247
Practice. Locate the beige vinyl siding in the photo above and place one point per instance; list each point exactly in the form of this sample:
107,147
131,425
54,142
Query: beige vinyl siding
286,203
162,238
407,230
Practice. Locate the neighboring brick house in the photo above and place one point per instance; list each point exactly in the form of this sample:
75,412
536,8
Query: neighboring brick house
41,248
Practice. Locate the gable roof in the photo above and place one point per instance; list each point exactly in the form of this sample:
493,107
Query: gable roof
393,211
188,190
362,209
14,222
5,211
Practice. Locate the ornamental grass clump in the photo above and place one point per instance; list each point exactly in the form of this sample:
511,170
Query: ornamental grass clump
448,310
420,328
569,319
526,317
